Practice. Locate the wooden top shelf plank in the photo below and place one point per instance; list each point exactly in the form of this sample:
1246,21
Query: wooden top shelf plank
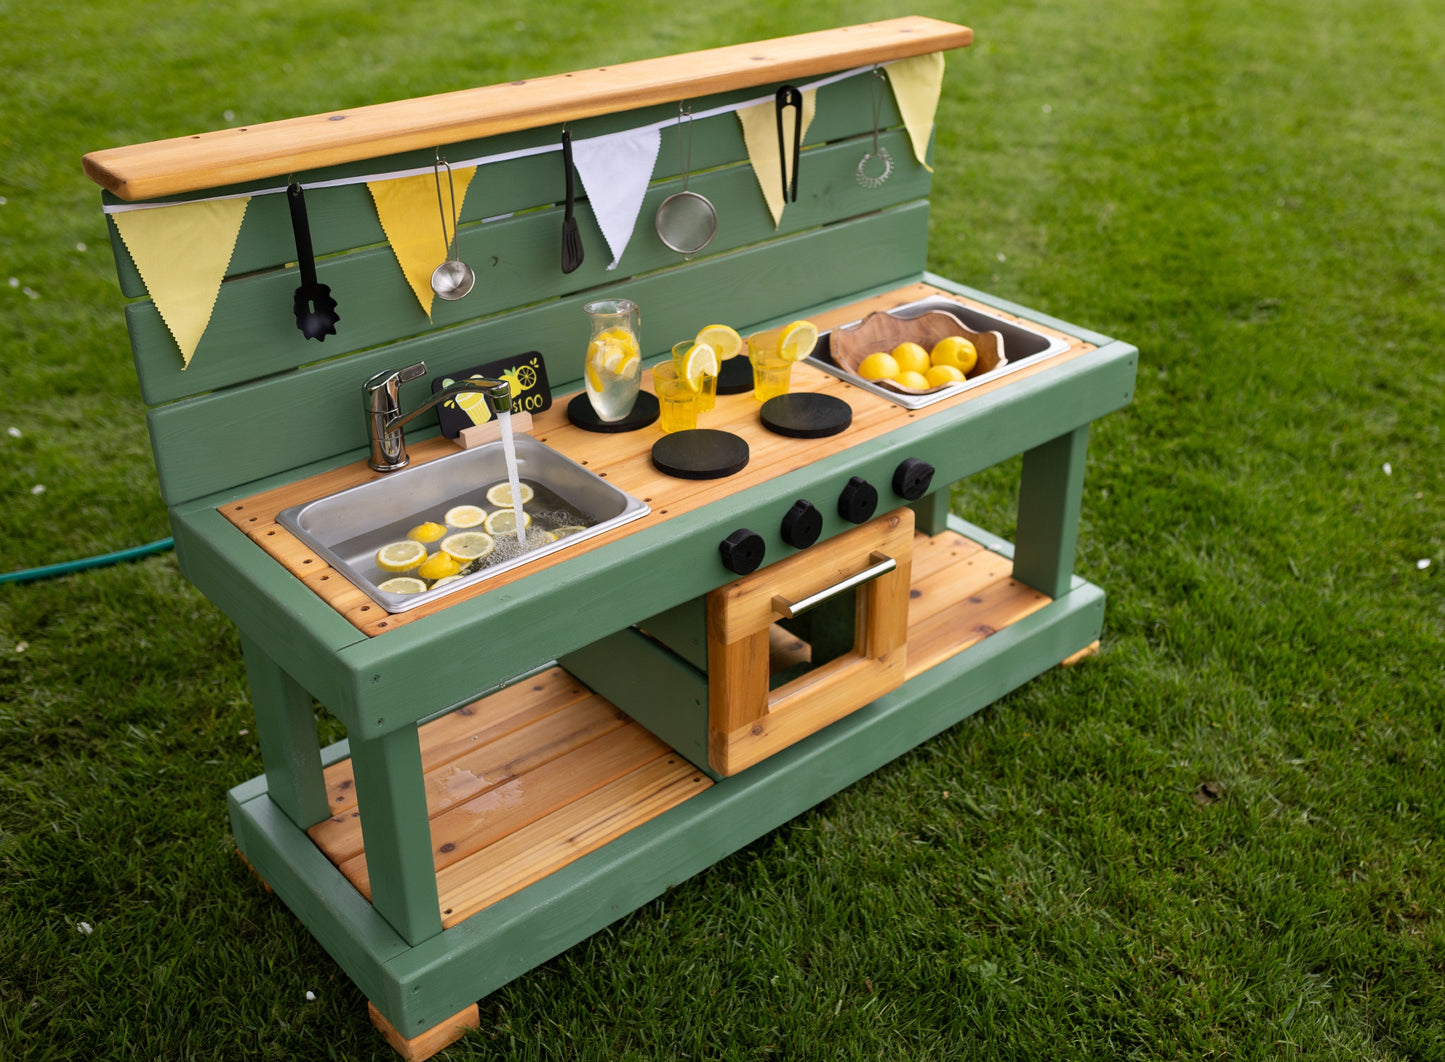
230,156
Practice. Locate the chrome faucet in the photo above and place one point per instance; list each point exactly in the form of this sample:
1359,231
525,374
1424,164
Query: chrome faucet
385,420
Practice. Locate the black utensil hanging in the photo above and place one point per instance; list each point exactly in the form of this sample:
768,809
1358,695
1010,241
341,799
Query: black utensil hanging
788,96
314,307
571,237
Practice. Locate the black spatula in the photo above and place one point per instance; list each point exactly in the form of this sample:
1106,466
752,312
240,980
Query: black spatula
571,238
315,309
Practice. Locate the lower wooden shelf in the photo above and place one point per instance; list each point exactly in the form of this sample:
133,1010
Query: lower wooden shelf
523,782
519,784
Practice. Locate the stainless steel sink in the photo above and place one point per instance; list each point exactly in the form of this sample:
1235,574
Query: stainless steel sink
1022,346
347,528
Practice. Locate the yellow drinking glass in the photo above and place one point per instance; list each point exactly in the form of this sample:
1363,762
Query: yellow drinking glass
676,400
708,396
772,373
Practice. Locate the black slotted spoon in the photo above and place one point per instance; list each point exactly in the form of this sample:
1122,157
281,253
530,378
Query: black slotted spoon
314,307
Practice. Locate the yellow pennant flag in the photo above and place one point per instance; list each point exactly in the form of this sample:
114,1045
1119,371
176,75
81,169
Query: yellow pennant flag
917,82
182,252
413,223
760,135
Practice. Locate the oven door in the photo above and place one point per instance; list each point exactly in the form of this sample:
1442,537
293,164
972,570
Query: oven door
803,642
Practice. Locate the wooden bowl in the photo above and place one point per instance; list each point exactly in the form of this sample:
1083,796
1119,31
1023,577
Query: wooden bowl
883,331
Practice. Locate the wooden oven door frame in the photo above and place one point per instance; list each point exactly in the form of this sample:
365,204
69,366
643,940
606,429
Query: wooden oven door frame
747,722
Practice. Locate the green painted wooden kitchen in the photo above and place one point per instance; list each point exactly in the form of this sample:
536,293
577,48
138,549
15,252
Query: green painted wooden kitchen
734,624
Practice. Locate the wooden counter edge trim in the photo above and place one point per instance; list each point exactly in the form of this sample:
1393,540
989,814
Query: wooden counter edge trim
230,156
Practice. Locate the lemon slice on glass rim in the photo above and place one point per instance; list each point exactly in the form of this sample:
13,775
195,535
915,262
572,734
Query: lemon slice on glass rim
722,339
699,361
797,340
400,556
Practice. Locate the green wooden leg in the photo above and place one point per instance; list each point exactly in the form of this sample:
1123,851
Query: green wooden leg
391,797
290,748
1048,518
930,512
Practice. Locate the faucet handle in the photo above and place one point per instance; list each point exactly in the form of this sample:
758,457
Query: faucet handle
412,372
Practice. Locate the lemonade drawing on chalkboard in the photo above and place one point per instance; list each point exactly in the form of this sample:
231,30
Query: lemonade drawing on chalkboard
526,375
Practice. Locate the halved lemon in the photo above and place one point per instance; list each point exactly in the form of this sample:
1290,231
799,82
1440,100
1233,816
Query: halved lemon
400,556
468,545
797,340
500,494
504,522
722,339
464,516
699,361
438,566
402,584
427,532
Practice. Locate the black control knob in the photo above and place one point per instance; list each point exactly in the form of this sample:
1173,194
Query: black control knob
802,524
859,501
911,478
742,551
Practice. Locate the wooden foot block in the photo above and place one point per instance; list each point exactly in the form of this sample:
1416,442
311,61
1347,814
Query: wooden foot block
254,872
434,1039
1092,649
478,434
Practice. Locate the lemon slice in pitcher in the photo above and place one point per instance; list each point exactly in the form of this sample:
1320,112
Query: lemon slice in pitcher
500,494
722,339
400,556
797,340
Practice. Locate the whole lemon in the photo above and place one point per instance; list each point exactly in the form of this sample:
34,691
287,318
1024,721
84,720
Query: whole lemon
911,358
915,380
940,375
878,366
957,352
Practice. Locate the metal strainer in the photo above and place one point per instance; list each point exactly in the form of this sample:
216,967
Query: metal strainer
686,222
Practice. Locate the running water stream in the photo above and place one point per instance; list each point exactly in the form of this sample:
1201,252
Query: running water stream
509,452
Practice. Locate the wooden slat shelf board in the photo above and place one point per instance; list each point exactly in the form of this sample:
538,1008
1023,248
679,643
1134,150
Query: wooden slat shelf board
207,160
519,784
525,780
961,594
625,461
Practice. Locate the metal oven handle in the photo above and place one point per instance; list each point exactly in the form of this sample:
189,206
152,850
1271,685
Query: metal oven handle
882,565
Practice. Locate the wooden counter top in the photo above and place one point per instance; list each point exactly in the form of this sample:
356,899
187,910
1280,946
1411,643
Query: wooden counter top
624,460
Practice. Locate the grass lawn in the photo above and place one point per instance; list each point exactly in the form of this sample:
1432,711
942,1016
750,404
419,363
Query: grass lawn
1222,838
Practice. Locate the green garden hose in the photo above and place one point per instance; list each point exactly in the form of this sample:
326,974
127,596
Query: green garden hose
29,575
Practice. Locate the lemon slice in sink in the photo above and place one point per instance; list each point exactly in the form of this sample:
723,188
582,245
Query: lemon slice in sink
464,516
504,522
400,556
500,494
402,584
467,546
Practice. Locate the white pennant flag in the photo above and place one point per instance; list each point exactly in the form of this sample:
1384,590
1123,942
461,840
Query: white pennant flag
615,171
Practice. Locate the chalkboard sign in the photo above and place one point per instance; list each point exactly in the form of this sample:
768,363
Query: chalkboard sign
527,373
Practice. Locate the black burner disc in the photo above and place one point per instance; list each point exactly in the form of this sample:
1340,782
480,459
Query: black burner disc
581,413
805,415
736,376
702,453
